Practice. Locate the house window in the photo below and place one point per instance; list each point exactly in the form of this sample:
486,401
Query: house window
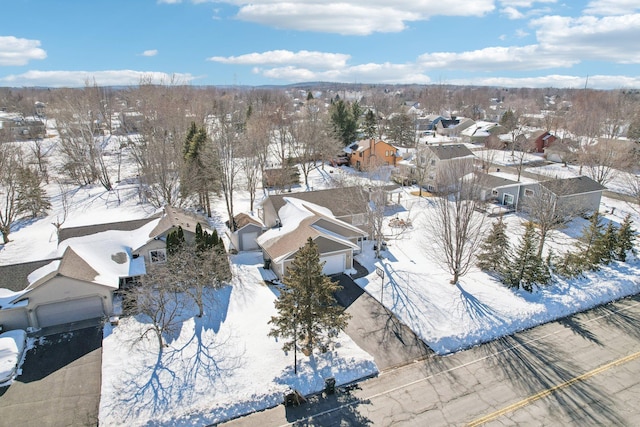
528,192
386,153
158,255
360,154
508,199
494,192
433,162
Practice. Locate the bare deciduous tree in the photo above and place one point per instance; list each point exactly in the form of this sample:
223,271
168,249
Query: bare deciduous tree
160,303
11,162
225,129
456,223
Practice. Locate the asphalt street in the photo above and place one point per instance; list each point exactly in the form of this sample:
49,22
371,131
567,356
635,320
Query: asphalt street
581,370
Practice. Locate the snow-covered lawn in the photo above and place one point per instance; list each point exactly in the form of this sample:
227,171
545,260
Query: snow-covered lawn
450,318
224,365
217,367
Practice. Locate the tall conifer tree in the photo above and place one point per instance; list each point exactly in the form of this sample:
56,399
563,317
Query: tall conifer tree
308,315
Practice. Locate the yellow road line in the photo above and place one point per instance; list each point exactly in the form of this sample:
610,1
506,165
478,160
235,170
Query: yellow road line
547,392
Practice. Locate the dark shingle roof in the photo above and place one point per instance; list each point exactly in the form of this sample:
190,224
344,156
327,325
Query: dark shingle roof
492,181
340,201
450,151
14,277
571,186
86,230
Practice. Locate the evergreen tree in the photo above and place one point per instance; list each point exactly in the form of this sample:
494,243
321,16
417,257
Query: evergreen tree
307,311
625,241
345,124
370,125
527,268
607,244
590,243
175,240
32,197
494,250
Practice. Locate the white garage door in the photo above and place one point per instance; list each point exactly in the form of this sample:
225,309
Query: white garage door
334,264
69,311
249,241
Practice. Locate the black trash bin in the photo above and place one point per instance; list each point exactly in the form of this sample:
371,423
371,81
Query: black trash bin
330,385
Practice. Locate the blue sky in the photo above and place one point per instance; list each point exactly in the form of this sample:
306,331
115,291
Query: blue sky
514,43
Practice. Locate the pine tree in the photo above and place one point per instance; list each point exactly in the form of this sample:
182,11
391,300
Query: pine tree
175,240
607,244
526,267
307,311
370,124
625,240
590,244
495,248
32,197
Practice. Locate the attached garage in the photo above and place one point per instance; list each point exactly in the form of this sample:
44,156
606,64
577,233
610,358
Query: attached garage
58,313
333,264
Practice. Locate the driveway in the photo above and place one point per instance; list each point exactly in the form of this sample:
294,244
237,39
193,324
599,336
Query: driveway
60,382
376,330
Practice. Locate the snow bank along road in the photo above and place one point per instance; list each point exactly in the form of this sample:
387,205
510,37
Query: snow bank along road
582,369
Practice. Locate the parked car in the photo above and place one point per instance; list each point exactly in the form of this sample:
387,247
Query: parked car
12,346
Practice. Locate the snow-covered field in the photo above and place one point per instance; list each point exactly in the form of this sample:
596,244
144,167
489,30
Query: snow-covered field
224,365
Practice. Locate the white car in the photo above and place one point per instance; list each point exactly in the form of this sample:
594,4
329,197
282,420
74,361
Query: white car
12,346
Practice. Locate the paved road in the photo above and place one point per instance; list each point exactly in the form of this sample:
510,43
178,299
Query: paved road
582,370
59,384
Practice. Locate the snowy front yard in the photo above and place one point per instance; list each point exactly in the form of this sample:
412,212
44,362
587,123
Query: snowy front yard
219,366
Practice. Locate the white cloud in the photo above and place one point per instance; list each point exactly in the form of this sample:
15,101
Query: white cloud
365,73
495,58
512,13
520,33
79,78
612,38
353,17
523,3
561,81
612,7
303,58
15,51
150,52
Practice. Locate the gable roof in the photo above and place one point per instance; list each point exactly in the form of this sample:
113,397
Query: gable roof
340,201
302,220
450,151
176,217
572,186
242,220
15,277
85,230
486,180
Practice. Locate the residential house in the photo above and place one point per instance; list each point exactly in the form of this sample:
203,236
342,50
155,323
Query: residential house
371,153
246,231
93,262
348,204
337,241
572,196
434,164
498,190
540,140
453,126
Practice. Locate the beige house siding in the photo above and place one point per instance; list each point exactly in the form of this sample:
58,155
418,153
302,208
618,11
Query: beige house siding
60,289
16,318
143,251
